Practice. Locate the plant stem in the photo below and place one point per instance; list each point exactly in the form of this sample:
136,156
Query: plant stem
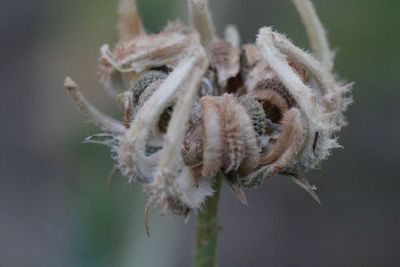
207,231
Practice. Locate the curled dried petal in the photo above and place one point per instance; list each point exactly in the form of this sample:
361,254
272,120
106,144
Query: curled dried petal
230,142
226,60
98,118
201,20
130,23
147,51
315,31
289,143
213,138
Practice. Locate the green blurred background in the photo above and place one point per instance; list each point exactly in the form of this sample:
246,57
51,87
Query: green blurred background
55,207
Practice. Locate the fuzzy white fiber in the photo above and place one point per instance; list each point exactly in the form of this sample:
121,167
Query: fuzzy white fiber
192,194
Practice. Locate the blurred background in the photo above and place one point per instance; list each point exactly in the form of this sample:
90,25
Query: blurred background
55,207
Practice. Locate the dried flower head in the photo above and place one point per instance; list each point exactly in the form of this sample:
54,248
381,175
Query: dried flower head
194,112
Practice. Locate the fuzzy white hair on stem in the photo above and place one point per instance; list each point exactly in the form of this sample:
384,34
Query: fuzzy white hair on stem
190,193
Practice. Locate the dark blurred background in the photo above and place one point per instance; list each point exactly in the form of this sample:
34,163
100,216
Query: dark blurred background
56,210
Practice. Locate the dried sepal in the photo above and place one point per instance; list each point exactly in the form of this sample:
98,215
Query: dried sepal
102,139
304,184
236,188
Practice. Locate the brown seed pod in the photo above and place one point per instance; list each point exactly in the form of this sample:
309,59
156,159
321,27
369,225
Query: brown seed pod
256,112
144,81
144,87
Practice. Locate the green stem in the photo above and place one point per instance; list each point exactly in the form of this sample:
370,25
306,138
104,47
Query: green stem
207,231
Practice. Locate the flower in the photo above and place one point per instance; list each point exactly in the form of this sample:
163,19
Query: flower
194,112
